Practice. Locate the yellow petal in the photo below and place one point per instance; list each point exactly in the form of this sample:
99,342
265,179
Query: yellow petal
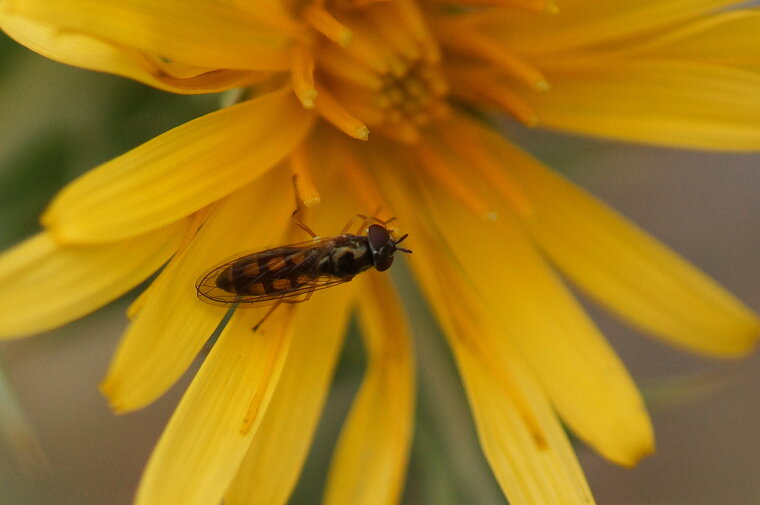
520,435
271,467
729,38
531,471
172,324
369,465
624,268
44,285
588,23
212,428
179,172
209,34
671,103
95,54
579,371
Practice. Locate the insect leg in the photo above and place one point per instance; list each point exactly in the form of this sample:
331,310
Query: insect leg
276,304
269,313
305,298
299,206
372,219
349,223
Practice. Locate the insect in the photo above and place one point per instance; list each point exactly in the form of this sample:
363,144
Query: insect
292,273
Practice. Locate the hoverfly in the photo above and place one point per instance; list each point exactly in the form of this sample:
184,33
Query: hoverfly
292,273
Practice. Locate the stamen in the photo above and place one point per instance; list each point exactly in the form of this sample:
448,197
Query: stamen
305,188
409,16
332,111
339,63
475,86
392,58
440,169
326,24
545,6
401,130
434,78
302,75
467,143
454,37
358,4
359,180
439,109
384,21
363,50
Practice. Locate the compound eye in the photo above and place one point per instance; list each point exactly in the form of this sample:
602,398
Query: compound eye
383,263
378,237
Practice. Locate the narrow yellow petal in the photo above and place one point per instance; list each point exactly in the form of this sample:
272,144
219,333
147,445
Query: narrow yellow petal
208,34
587,23
672,103
728,38
179,172
369,465
44,285
271,467
212,428
530,471
624,268
521,437
579,371
173,324
95,54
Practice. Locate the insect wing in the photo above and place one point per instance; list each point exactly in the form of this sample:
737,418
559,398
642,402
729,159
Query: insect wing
304,255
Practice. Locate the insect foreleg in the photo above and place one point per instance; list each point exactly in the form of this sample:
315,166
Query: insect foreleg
305,298
367,220
276,304
269,313
299,205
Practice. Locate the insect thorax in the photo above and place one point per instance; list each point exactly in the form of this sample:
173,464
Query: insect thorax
350,255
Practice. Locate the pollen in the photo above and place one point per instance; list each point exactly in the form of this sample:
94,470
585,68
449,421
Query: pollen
385,78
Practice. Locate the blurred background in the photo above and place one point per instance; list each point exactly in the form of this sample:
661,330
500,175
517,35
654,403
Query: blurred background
58,122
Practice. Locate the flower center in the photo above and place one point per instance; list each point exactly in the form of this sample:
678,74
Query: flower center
375,65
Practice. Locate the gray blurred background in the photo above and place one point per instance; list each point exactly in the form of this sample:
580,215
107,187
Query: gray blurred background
57,122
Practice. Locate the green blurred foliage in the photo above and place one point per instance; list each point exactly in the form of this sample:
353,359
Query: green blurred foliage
59,122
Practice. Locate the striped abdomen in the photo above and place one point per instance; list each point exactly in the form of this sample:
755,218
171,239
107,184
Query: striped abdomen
262,274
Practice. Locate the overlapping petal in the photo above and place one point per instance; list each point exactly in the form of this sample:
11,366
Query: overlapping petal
179,172
268,473
585,24
212,34
729,38
95,54
521,436
172,324
214,423
581,374
624,268
46,285
519,433
533,467
370,460
671,103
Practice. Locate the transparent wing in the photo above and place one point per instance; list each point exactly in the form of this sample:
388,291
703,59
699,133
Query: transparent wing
308,254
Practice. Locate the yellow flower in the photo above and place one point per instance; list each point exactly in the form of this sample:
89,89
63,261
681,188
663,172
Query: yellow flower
488,223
